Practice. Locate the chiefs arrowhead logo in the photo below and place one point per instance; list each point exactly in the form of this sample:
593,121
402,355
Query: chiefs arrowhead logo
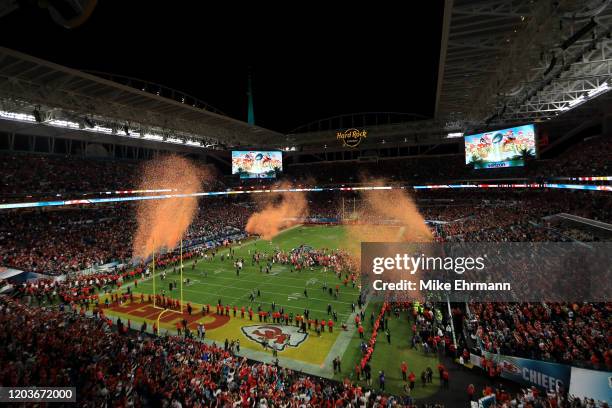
277,337
510,367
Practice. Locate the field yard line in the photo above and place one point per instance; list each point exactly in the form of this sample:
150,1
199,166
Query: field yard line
286,306
260,239
225,250
170,275
246,296
241,279
199,292
301,288
344,338
291,277
275,293
285,271
339,346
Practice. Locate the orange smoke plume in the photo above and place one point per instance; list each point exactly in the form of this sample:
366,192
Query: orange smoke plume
378,207
397,205
162,223
278,212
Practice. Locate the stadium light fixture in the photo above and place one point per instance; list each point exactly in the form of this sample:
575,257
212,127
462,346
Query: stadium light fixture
65,124
604,87
576,101
90,125
21,117
454,134
149,136
102,129
600,89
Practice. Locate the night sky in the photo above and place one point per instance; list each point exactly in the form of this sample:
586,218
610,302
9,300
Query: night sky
308,63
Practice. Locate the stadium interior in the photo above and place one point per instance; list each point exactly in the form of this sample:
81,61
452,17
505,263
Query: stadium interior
158,252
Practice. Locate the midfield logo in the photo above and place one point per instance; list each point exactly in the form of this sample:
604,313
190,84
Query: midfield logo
277,337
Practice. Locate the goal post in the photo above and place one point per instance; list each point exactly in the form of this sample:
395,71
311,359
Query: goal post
181,274
155,290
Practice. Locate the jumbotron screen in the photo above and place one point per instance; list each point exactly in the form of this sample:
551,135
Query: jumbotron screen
257,164
501,148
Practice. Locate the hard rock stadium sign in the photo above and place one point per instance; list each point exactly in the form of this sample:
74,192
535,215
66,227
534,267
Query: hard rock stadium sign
351,137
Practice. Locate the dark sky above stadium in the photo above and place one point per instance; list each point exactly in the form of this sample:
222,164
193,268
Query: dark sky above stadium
307,63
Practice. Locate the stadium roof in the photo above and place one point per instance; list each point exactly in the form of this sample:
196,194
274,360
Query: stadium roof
26,81
507,61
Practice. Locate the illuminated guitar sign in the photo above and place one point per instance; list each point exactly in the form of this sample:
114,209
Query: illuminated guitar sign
351,137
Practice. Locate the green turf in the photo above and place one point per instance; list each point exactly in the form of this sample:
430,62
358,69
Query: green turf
215,279
286,289
388,357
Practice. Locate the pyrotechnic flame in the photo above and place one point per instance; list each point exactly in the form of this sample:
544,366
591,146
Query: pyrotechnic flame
278,212
162,223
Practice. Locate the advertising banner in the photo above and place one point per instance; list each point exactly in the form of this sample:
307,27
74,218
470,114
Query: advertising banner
549,376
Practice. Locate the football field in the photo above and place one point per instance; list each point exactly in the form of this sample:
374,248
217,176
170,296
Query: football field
214,280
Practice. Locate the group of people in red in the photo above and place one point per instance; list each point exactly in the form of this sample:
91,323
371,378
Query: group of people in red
564,332
273,316
370,349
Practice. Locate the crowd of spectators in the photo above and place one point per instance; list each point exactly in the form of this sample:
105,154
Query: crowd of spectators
111,365
35,176
48,347
106,365
411,170
74,239
584,159
569,333
516,219
39,175
533,397
58,242
218,218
